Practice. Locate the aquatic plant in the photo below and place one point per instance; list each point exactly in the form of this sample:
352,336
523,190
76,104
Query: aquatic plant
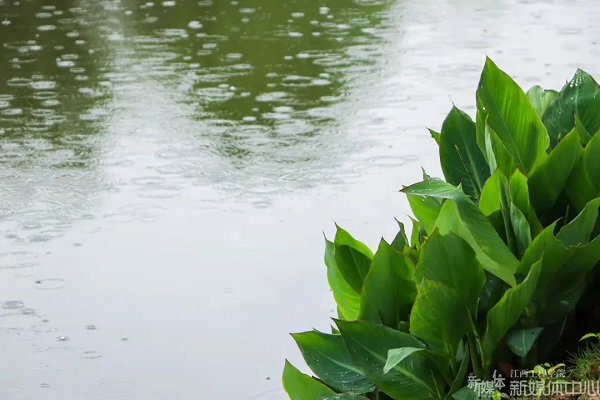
500,257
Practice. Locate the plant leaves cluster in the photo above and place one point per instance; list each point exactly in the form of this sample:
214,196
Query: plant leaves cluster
501,254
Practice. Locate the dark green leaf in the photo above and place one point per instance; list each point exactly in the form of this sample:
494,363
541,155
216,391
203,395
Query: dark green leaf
368,343
584,135
465,219
439,317
580,229
328,357
506,312
302,387
519,195
450,260
580,96
400,240
549,180
584,183
353,259
465,393
520,341
521,228
512,117
462,161
389,289
347,299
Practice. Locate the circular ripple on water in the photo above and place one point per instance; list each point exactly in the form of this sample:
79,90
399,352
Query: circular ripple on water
118,388
49,284
17,260
159,192
92,355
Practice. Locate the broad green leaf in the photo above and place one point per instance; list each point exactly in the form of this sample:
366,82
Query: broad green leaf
396,356
512,118
439,317
519,195
299,386
467,221
346,298
520,341
435,135
462,161
540,99
521,229
412,378
543,245
550,178
449,259
584,183
389,289
580,96
584,135
503,159
327,356
506,312
580,229
353,259
491,200
426,209
400,240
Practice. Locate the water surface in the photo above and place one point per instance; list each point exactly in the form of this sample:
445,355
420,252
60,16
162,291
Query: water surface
167,170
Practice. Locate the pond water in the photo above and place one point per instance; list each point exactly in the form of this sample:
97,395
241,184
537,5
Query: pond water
167,170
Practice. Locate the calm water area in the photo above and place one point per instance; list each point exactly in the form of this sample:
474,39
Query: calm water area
168,169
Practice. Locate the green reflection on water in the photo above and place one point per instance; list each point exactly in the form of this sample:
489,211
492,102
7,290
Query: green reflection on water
245,69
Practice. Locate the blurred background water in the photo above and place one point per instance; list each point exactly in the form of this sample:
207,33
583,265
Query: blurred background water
167,170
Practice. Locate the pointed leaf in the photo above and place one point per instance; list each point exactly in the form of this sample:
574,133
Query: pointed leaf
389,290
584,183
353,259
472,225
396,356
462,161
520,228
580,96
328,357
426,209
580,229
519,194
347,299
549,180
412,378
302,387
520,341
507,311
439,317
491,200
540,99
449,259
512,118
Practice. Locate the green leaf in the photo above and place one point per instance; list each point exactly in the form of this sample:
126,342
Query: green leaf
459,379
589,336
520,341
435,135
347,299
466,393
580,96
540,99
344,396
465,219
584,135
396,356
550,178
448,259
506,312
353,259
439,317
462,161
328,357
426,209
389,290
584,183
580,229
512,117
521,229
299,386
368,343
400,240
519,194
491,200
